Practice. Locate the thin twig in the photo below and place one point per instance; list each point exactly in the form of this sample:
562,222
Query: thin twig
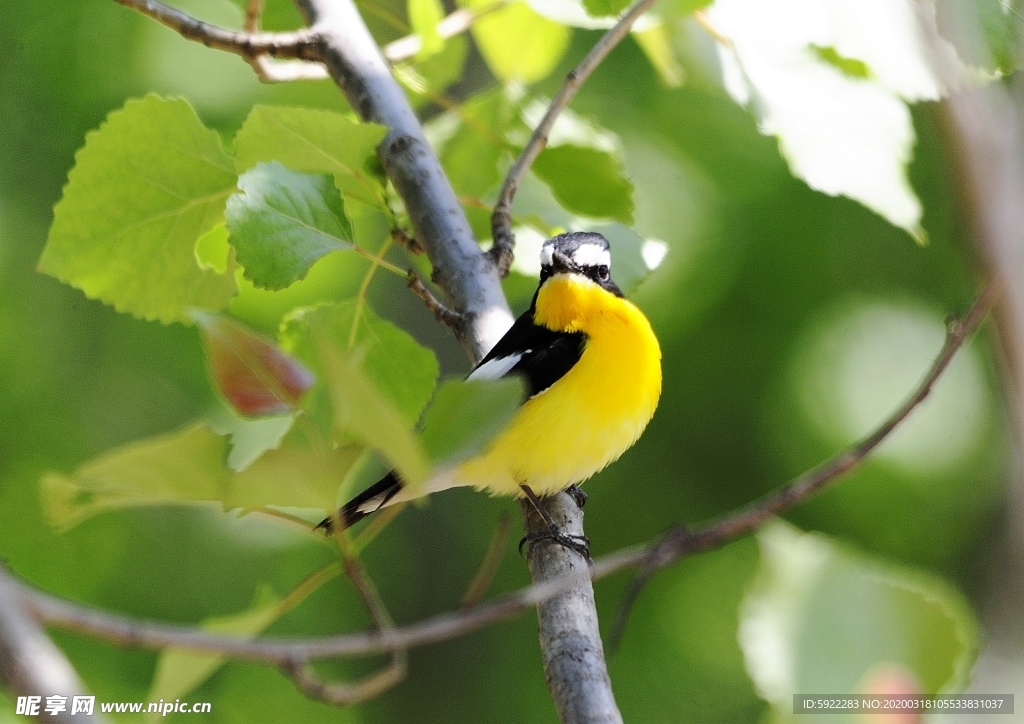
300,44
681,541
673,546
451,25
470,283
443,314
347,693
489,565
501,219
269,70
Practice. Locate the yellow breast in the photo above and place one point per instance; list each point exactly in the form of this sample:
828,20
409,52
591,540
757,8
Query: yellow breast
593,414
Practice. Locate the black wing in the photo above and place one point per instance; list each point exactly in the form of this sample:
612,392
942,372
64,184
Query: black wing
539,355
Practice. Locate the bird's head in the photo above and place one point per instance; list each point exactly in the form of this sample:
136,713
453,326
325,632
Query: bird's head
582,253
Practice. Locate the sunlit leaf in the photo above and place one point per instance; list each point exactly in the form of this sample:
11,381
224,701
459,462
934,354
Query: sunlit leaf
427,78
424,15
465,415
189,467
657,46
587,181
820,618
471,154
835,92
605,7
400,368
179,671
147,185
314,141
363,411
213,251
986,34
282,222
517,43
252,373
250,438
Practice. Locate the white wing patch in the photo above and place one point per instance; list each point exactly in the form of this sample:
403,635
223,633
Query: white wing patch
496,368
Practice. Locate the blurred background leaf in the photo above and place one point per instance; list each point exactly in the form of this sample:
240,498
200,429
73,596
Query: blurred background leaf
789,320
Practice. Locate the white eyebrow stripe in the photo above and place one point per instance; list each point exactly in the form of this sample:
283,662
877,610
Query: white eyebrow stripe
495,369
592,255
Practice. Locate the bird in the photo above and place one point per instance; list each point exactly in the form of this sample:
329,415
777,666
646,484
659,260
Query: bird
591,366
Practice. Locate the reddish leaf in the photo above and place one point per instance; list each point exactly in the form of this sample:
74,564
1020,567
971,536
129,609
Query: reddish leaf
256,377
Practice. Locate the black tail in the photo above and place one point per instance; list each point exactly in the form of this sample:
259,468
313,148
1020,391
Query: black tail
369,501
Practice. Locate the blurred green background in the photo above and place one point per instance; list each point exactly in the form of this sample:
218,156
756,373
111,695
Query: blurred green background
791,323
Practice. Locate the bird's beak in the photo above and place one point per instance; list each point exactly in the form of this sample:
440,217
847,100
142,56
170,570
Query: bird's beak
561,264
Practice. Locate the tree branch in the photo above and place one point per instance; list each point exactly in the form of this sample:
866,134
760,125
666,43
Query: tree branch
570,639
269,70
675,545
339,38
450,26
681,542
501,218
466,276
30,664
301,44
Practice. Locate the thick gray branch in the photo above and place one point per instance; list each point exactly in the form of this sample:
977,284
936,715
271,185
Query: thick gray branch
30,664
673,546
467,277
570,640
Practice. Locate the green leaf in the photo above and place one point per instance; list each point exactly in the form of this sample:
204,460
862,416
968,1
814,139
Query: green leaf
821,618
399,367
598,8
517,43
465,415
145,187
587,181
213,251
836,95
427,78
848,66
180,671
283,221
657,46
314,141
255,377
364,412
249,438
189,467
424,15
472,154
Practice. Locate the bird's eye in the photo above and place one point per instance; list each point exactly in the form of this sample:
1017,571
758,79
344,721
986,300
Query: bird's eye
602,273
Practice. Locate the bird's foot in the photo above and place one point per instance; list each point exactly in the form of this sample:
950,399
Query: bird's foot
578,543
576,493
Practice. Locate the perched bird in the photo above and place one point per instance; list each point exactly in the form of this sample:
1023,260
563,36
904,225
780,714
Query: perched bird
592,370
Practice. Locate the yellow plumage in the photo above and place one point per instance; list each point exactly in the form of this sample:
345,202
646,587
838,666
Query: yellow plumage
591,415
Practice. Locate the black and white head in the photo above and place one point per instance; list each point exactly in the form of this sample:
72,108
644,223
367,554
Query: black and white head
579,252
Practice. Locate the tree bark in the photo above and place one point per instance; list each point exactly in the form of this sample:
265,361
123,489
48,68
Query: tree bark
30,663
568,627
570,640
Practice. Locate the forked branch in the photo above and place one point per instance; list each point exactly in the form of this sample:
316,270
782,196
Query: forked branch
675,545
301,44
501,218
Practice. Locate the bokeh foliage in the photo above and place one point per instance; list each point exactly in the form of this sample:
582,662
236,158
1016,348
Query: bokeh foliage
790,321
